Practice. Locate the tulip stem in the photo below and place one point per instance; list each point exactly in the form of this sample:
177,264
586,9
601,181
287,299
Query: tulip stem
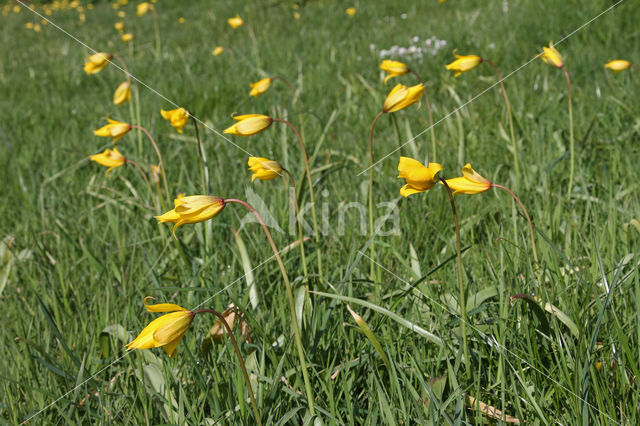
510,116
431,158
372,247
305,159
292,306
156,30
295,99
204,172
463,301
160,162
571,148
292,184
526,214
247,382
144,176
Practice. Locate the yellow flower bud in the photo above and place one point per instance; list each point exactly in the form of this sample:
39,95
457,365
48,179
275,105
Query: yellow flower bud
178,117
235,22
115,129
143,8
218,51
551,56
249,124
127,37
393,68
119,26
110,158
469,183
122,93
96,62
419,178
259,87
401,97
463,63
192,209
264,169
351,11
618,65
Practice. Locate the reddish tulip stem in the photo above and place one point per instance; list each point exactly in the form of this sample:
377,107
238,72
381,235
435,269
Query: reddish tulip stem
296,209
463,300
432,158
526,214
509,115
144,176
285,81
371,230
160,162
124,65
305,160
292,307
245,375
571,147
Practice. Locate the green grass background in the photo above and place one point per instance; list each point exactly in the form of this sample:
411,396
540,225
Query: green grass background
86,250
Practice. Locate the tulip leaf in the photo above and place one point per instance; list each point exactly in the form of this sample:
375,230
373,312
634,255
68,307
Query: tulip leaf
248,271
372,337
477,299
415,263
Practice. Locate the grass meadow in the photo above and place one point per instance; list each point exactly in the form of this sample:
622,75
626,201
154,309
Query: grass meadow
548,342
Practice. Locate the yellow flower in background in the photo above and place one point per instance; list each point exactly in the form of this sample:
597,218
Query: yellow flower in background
181,20
463,63
192,209
469,183
551,56
402,96
122,14
36,28
235,22
296,15
218,51
127,37
122,93
264,169
419,177
393,68
119,26
110,158
28,25
96,62
178,117
156,171
165,331
115,129
259,87
618,65
351,11
143,8
249,124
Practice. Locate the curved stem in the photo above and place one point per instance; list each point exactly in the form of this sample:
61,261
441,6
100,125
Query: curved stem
526,214
204,173
431,158
292,307
160,162
285,81
305,159
463,301
144,176
124,65
372,247
510,116
247,382
292,185
571,148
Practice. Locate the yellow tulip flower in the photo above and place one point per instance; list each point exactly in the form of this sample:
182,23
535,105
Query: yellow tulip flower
249,124
122,14
156,171
218,51
178,117
469,183
192,209
122,93
165,331
259,87
351,11
127,37
264,169
393,68
402,96
96,62
119,26
115,129
235,22
143,8
110,158
618,65
463,63
419,177
551,56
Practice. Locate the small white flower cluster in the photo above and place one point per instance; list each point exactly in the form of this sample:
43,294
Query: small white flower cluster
415,51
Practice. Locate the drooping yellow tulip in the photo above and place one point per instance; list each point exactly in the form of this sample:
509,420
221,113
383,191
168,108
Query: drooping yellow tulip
96,62
401,97
178,117
259,87
463,63
143,8
264,169
551,56
249,124
218,51
469,183
122,93
165,331
110,158
115,129
351,11
419,177
192,209
235,22
618,65
393,68
119,26
127,37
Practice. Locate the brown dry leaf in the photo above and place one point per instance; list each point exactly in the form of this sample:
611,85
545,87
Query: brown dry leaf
491,412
